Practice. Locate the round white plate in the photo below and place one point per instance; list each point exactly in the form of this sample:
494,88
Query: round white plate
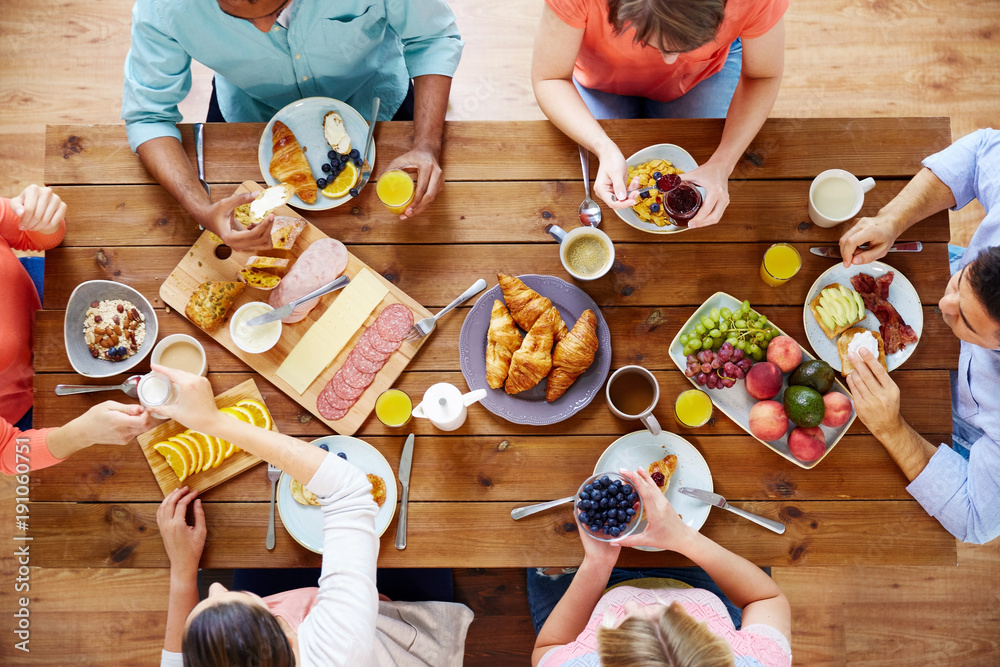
902,295
678,157
305,522
305,119
640,448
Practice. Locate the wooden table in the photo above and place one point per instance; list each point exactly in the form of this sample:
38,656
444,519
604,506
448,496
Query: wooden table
507,181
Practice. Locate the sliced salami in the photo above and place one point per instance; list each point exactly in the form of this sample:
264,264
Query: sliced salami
394,321
356,378
366,349
344,390
335,413
328,410
382,345
334,401
363,363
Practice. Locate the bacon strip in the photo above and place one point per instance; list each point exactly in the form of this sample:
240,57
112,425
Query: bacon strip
896,334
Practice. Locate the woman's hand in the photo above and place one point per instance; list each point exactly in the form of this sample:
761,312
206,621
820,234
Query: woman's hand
195,404
183,543
715,180
609,186
597,552
107,423
665,529
40,209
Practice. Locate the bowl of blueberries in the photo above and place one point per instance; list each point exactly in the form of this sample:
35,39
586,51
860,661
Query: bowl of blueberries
608,507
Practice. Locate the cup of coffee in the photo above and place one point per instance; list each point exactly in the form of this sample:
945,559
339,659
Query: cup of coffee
836,196
586,253
632,393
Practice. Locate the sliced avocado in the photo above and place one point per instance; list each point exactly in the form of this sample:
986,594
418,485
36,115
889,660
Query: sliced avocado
825,317
852,308
839,312
861,304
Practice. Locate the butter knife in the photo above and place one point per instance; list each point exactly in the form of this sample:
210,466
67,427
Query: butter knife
834,251
718,501
366,168
404,479
286,310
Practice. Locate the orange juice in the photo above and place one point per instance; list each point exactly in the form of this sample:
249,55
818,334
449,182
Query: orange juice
693,408
395,190
781,262
393,408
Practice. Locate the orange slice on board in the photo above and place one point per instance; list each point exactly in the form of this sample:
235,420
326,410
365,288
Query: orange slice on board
204,459
194,451
258,411
211,451
175,457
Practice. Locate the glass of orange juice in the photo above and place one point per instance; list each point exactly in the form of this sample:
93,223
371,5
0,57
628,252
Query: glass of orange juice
780,264
693,408
393,408
395,189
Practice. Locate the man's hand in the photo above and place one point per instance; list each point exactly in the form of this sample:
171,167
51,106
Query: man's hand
219,219
876,396
878,232
609,185
665,529
715,180
183,543
40,209
430,178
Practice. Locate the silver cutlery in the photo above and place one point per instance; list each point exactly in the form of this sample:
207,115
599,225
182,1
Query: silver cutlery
834,251
273,474
405,462
426,325
528,510
718,501
590,212
286,310
199,154
366,168
129,386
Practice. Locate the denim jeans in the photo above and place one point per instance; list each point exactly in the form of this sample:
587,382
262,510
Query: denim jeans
709,99
545,591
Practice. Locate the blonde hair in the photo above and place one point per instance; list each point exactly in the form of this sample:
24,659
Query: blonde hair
668,25
674,639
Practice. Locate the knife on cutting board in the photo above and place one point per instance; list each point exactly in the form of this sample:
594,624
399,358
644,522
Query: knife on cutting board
286,310
405,462
834,250
718,501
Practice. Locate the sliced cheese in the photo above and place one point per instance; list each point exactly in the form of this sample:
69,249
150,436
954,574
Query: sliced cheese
327,337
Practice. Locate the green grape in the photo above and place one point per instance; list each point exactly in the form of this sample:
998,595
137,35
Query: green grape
741,345
762,320
745,307
707,342
683,339
741,324
715,333
763,344
700,329
726,313
714,314
732,341
717,344
754,348
723,327
757,356
759,336
688,350
706,322
695,344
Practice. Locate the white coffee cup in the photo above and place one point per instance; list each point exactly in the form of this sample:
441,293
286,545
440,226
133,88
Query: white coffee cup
646,414
857,191
566,242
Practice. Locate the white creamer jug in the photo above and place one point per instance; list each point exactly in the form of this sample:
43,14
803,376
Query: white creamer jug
445,405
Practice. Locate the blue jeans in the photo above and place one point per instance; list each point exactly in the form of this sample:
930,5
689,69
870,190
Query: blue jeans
544,592
708,99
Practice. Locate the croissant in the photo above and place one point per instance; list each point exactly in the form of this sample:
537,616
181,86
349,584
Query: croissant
526,305
533,360
573,355
289,164
502,340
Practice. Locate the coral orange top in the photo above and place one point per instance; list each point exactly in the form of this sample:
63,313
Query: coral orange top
17,312
614,64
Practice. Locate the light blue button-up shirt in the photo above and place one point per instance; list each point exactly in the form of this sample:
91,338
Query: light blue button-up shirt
965,495
352,50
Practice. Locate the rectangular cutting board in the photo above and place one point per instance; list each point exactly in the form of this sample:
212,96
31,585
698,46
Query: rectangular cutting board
200,264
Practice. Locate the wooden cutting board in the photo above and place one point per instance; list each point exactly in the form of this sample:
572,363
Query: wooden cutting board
201,264
202,481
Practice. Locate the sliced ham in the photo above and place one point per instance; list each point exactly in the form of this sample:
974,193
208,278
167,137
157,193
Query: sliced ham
322,262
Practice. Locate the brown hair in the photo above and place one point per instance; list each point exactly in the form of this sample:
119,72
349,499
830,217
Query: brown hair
672,640
668,25
984,277
234,634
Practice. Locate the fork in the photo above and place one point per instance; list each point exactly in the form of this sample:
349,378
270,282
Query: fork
426,325
273,474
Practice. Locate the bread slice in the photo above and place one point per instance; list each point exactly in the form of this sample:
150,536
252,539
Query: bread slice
832,333
266,201
335,133
276,265
285,231
845,338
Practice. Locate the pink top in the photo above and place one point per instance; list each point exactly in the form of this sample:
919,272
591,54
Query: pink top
754,645
293,606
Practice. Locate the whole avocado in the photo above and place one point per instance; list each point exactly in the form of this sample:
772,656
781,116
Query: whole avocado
816,374
804,405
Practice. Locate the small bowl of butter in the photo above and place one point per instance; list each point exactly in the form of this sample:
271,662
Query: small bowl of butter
254,339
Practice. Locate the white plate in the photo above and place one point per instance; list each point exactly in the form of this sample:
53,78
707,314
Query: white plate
305,119
640,448
305,522
678,157
735,402
902,295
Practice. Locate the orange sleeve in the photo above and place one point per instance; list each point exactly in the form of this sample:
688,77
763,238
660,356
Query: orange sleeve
22,240
764,16
36,454
572,12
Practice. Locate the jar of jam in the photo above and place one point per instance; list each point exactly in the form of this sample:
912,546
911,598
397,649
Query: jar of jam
682,203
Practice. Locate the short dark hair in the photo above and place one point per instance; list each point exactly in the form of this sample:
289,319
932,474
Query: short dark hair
235,634
668,25
984,277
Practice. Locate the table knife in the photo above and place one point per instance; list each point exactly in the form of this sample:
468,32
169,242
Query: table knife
718,501
834,251
366,167
404,479
286,310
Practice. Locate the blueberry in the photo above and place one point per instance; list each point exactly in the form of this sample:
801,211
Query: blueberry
343,159
630,511
342,455
326,168
646,195
615,532
605,481
122,351
604,502
656,175
324,447
588,488
628,520
320,183
334,168
332,155
354,192
627,489
654,208
632,497
612,490
582,505
356,161
612,522
584,518
584,495
606,530
355,153
619,496
594,528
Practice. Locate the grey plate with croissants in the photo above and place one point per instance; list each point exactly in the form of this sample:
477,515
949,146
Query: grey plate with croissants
539,346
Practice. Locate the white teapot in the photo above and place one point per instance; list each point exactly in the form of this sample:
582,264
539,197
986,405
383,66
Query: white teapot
445,405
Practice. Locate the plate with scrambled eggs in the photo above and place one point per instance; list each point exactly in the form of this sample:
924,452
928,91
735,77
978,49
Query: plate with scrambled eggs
663,159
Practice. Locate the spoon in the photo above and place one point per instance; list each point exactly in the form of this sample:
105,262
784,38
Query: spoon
129,386
528,510
590,212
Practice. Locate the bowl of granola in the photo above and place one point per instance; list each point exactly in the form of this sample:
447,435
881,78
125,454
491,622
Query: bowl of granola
109,328
650,164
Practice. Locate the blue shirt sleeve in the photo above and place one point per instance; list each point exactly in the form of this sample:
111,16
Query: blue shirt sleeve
157,79
963,495
430,37
956,166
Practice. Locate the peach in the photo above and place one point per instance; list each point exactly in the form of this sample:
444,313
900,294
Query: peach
807,444
838,409
785,353
764,380
768,420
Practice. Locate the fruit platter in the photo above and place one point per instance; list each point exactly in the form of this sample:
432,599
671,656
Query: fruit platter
763,379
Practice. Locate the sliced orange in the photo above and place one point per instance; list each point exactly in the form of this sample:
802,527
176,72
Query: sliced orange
231,449
342,185
220,445
258,411
194,451
175,458
242,414
211,452
203,460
